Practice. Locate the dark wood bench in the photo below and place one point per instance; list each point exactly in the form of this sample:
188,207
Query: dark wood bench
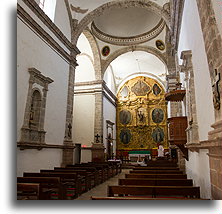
141,198
155,168
155,191
96,174
111,169
161,163
71,182
155,172
157,176
102,171
87,178
27,191
155,182
48,186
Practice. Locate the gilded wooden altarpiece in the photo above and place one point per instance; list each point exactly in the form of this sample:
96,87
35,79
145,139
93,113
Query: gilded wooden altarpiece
141,115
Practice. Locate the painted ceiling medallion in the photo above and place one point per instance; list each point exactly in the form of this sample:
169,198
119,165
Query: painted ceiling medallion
131,40
160,45
105,51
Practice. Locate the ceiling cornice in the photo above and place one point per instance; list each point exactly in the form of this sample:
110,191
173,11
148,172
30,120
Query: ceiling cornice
131,40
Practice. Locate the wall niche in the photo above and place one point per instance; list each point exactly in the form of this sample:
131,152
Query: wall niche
32,131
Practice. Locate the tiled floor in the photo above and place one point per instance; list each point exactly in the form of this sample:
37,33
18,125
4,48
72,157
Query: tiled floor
101,190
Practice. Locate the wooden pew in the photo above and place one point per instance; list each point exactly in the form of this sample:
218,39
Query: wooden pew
141,198
48,186
157,176
155,182
96,174
155,191
27,191
85,177
155,172
109,167
155,168
70,181
102,172
161,163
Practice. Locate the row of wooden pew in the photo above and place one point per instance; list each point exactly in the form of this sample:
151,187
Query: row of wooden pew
159,180
64,183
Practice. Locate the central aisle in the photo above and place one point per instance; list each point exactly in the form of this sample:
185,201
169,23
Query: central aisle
101,190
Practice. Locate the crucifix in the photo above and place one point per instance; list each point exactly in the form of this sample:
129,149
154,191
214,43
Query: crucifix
97,138
216,90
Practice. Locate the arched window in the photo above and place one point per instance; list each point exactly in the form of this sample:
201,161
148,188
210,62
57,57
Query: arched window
48,6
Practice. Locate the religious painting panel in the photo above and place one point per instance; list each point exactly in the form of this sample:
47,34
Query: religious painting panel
125,136
158,135
157,115
125,117
141,116
156,89
140,88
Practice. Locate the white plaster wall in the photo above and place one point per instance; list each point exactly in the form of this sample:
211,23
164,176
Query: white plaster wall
191,38
109,79
197,168
33,52
85,70
109,113
33,160
86,156
83,121
62,19
84,46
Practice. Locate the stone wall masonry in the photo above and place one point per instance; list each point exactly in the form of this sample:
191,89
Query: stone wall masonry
212,40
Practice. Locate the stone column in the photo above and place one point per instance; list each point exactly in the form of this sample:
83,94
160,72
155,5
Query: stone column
187,68
98,147
68,155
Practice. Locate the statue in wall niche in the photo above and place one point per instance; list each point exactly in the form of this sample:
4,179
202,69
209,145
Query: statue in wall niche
216,90
69,130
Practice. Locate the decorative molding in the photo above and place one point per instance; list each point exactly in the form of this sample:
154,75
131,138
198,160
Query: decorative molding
132,40
26,145
78,9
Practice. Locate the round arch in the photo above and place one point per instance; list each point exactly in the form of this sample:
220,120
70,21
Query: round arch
96,55
151,6
121,51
